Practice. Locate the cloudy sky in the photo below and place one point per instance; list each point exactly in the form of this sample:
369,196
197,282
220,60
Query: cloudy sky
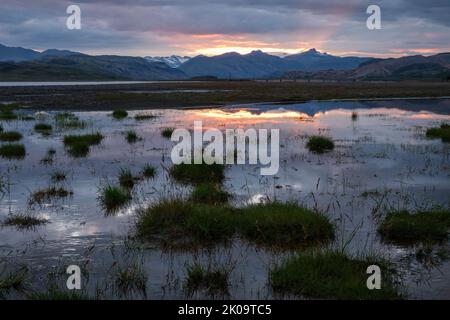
191,27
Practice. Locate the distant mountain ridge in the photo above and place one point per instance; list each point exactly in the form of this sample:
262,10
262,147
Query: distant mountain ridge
173,61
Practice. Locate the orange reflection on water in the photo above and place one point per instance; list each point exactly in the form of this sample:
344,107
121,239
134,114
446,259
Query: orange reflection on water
247,114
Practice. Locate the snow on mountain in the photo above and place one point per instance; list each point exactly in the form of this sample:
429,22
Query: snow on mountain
172,61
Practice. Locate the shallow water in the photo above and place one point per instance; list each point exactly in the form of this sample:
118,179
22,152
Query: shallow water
381,160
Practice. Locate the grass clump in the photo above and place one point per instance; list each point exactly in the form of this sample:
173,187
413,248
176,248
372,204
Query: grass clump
119,114
148,171
319,144
405,226
43,128
355,116
69,120
12,151
15,280
7,114
178,223
167,132
283,224
10,136
212,281
144,116
79,145
58,176
112,198
209,193
132,137
131,278
442,132
24,221
331,275
126,178
198,173
47,194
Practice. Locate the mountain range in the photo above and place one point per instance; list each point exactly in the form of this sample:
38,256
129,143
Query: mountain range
21,64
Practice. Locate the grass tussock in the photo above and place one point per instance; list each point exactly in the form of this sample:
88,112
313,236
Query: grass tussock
144,116
43,128
132,137
319,144
119,114
332,275
79,145
7,114
15,280
178,222
213,281
12,151
209,193
149,171
167,132
24,221
127,179
129,279
405,226
198,173
112,198
46,195
68,120
442,132
10,136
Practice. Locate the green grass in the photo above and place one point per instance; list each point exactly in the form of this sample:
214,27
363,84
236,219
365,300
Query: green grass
119,114
126,179
331,275
12,151
284,224
148,171
23,221
132,137
130,279
178,223
319,144
209,193
15,280
167,132
7,114
10,136
143,116
405,226
43,128
68,120
79,145
211,281
112,198
442,132
45,195
198,173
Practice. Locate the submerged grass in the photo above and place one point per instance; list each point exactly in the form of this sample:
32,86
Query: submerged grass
10,136
212,281
48,194
319,144
198,173
24,221
332,275
112,198
12,151
442,132
405,226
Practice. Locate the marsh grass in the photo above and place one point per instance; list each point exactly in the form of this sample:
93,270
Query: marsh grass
442,132
198,173
126,178
209,193
15,280
319,144
284,224
79,145
58,176
132,137
48,194
7,114
12,151
405,226
24,221
10,136
59,295
68,120
49,157
167,132
112,198
213,281
144,116
129,279
119,114
332,274
149,172
43,128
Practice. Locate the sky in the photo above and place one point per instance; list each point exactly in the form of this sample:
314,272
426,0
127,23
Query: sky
210,27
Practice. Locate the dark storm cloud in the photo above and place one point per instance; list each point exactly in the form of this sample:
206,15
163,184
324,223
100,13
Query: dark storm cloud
170,25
